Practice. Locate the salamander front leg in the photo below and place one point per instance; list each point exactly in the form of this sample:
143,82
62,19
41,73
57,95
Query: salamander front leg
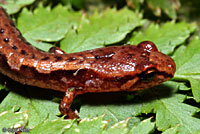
65,104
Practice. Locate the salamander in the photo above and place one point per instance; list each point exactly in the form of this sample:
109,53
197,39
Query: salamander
108,69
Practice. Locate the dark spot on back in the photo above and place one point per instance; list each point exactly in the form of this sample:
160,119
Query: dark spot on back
14,47
97,57
45,58
80,54
33,56
13,31
118,78
58,58
23,52
84,57
1,30
6,40
122,52
71,59
123,47
130,47
130,56
108,55
80,62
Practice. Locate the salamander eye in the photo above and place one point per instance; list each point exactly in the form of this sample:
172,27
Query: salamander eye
148,75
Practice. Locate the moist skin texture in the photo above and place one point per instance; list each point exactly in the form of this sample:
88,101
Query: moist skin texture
109,69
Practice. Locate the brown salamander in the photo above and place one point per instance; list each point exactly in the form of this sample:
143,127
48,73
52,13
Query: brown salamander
109,69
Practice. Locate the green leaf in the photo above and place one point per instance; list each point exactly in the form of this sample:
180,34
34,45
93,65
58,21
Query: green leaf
52,27
101,29
113,113
88,126
188,66
2,82
195,84
13,120
166,6
166,37
183,87
39,44
190,53
2,87
169,7
57,126
84,126
13,6
171,112
144,127
39,106
173,130
76,3
179,59
116,111
118,128
197,132
176,86
136,4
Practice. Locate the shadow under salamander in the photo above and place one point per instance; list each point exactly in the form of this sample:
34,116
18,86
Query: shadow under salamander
113,98
146,95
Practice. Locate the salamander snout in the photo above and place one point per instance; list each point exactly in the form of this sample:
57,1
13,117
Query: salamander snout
164,64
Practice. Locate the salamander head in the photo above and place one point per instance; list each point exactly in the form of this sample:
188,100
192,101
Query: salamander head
161,62
156,67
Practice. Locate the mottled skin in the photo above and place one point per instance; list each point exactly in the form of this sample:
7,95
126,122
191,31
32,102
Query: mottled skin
116,68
